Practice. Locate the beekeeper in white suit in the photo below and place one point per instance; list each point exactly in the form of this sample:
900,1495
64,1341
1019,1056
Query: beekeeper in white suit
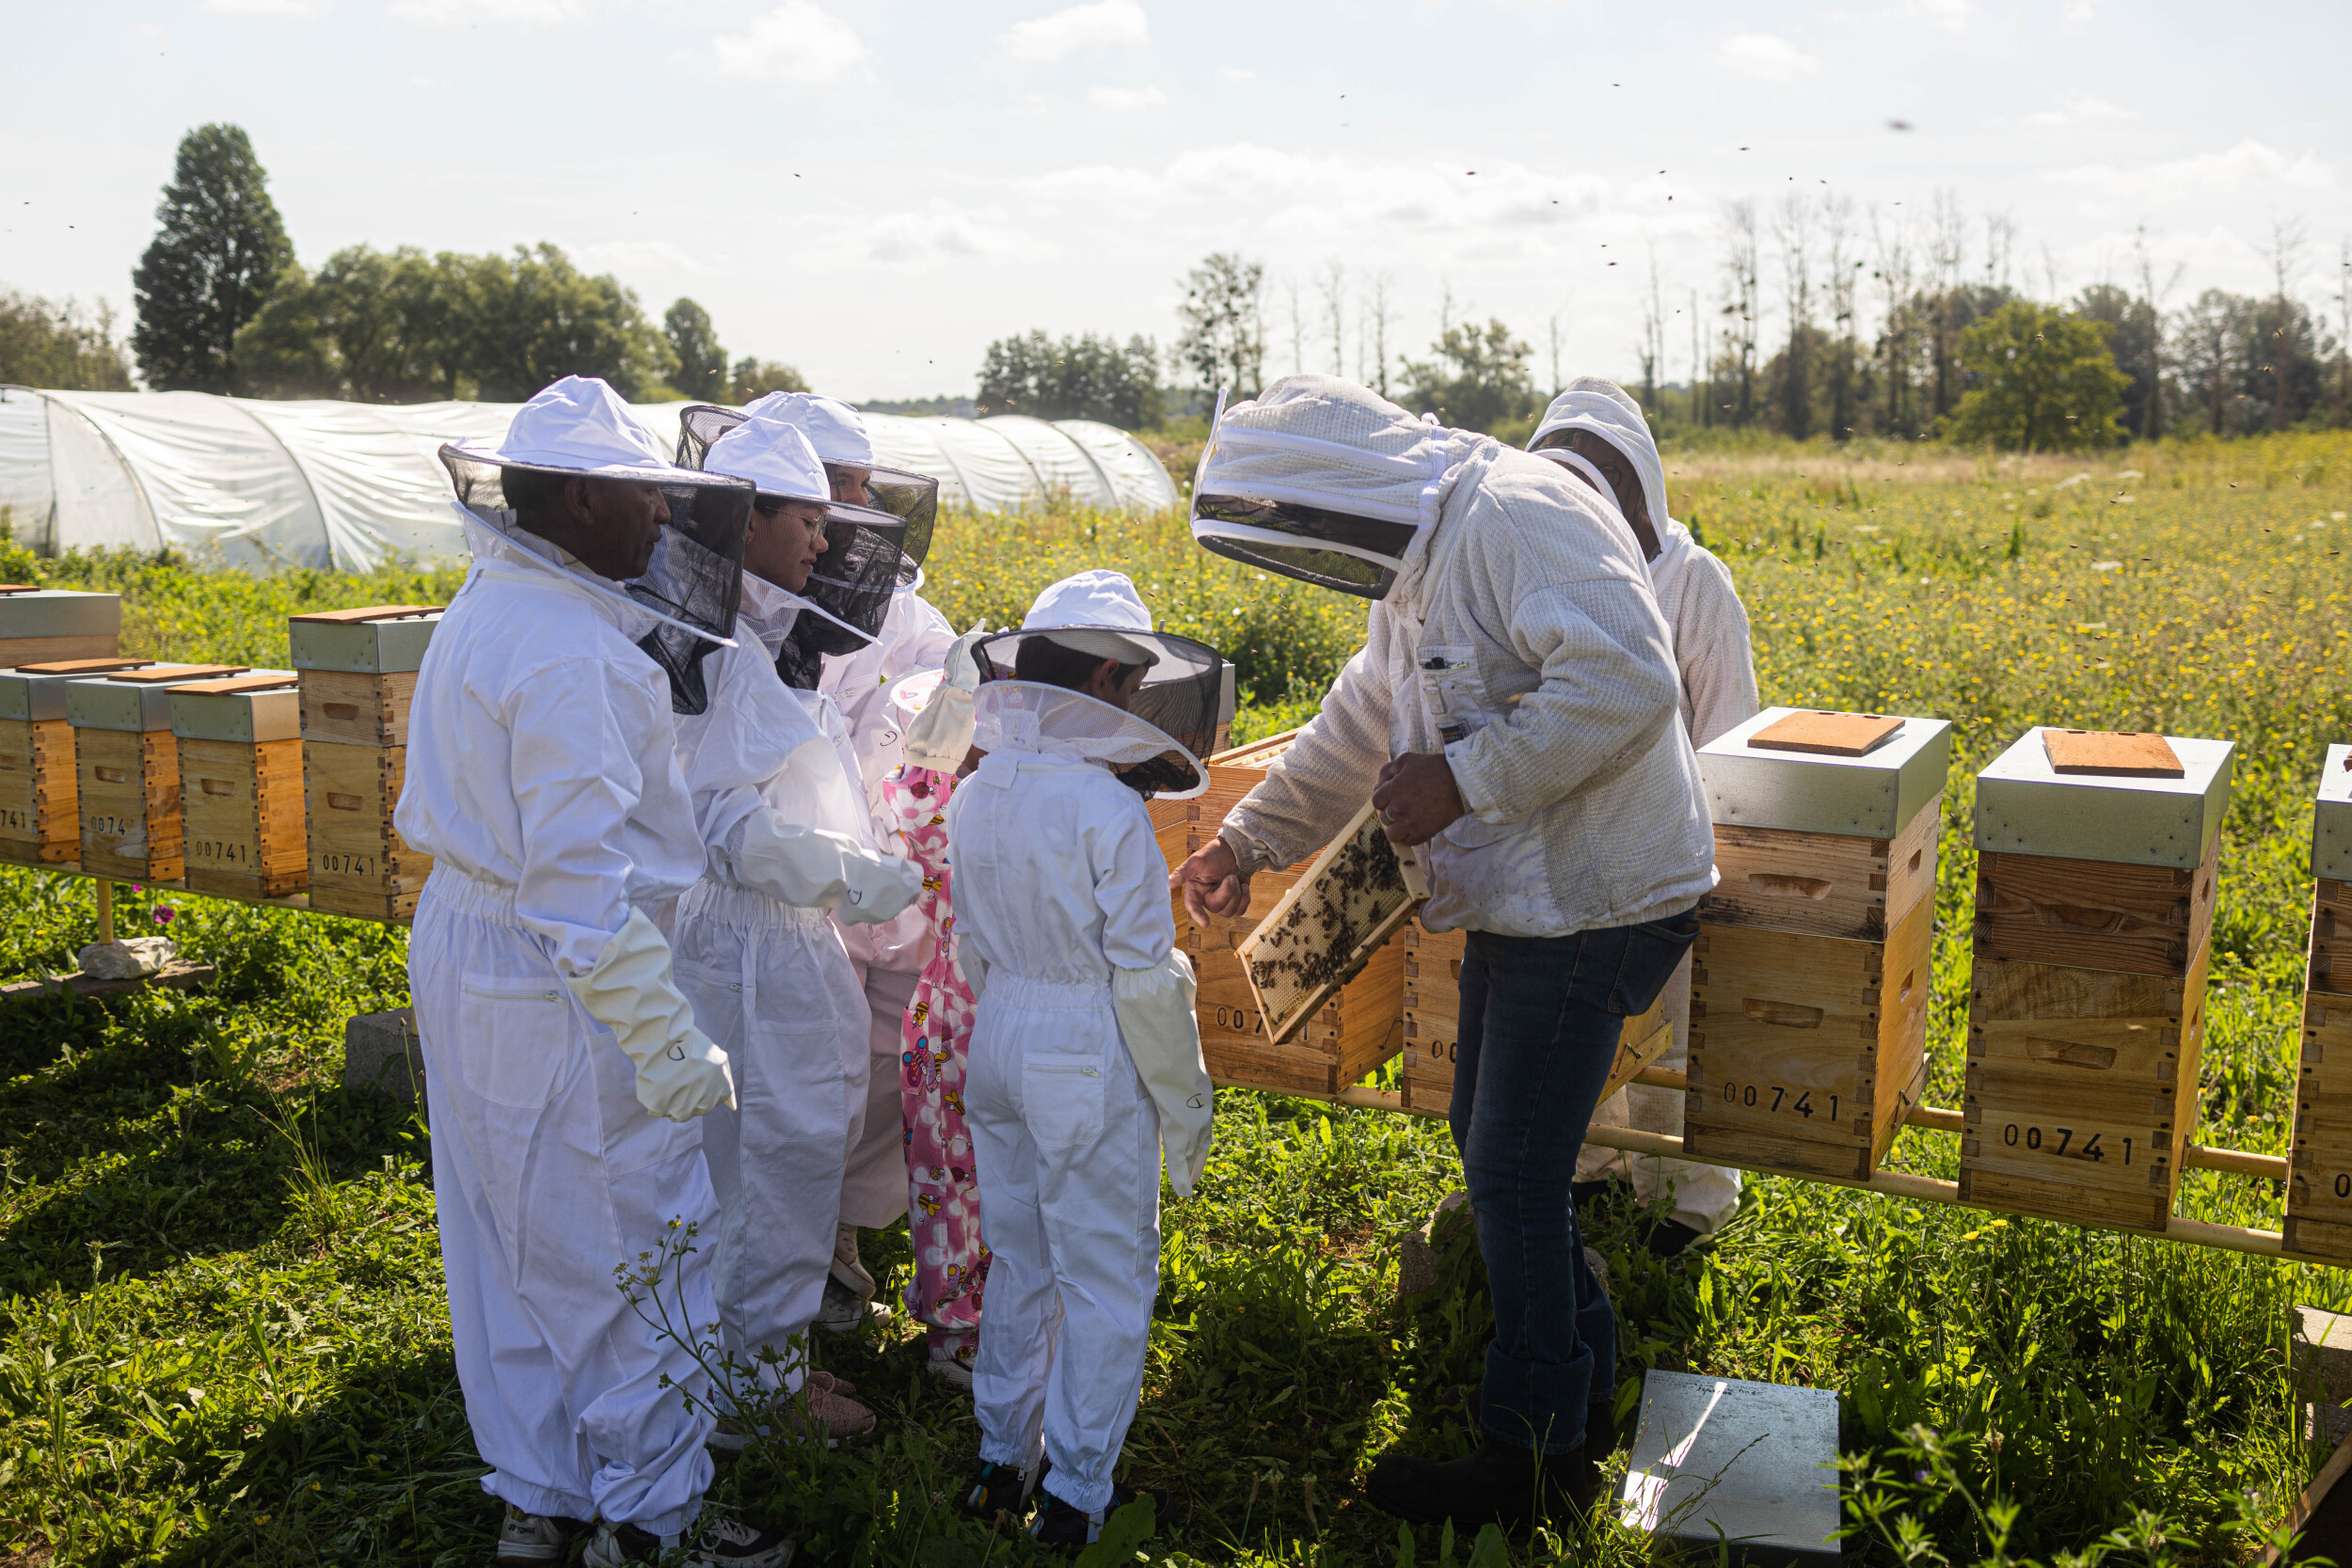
1086,1057
1596,432
890,956
1512,716
564,1071
786,832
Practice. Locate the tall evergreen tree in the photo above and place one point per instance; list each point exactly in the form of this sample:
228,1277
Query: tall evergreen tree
212,264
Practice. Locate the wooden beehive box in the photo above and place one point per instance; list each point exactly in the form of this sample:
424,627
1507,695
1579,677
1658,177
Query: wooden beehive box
2095,883
126,768
241,783
46,626
1432,1011
358,673
359,669
1341,1043
40,824
2319,1182
1811,976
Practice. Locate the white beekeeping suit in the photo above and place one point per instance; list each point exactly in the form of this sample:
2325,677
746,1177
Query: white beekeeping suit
564,1069
1717,664
913,636
1085,1060
790,853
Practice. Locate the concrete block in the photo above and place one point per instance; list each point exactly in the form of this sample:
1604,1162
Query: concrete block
2323,1376
382,1052
1753,1464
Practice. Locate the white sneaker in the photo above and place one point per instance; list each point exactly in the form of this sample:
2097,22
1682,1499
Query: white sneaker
723,1543
846,1267
845,1311
529,1537
948,1369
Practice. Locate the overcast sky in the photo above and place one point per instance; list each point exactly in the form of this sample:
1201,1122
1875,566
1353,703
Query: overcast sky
874,189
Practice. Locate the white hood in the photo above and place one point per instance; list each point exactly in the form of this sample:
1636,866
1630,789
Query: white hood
1609,412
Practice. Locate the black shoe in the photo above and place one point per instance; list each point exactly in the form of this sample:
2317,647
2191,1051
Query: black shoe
1059,1526
1000,1489
1668,1239
1497,1485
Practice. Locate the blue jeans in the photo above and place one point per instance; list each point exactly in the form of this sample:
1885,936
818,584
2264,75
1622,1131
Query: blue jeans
1540,1017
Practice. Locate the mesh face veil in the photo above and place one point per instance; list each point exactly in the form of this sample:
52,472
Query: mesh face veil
911,499
1154,746
1319,479
694,582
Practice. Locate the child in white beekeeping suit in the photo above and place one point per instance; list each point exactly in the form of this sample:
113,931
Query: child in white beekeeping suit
564,1071
1086,1057
787,838
1595,430
890,956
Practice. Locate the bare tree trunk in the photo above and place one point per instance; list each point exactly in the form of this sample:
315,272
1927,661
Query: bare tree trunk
1740,266
1331,287
2286,249
1837,223
1893,245
2152,409
1653,335
1380,311
1552,338
1792,230
2343,333
1298,326
1948,240
1702,384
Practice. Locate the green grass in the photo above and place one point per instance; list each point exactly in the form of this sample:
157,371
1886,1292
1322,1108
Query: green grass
223,1338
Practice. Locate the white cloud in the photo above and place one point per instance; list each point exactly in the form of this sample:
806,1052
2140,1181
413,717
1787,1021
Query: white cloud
2248,164
1102,22
2081,111
1126,98
799,42
261,8
1765,56
945,231
1950,15
635,255
459,13
1235,73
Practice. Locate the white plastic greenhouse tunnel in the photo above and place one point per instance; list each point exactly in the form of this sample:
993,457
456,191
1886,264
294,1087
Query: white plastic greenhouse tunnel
257,485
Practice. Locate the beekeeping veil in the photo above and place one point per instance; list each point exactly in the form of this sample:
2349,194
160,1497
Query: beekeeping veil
1155,746
847,594
1321,480
579,426
1607,410
838,434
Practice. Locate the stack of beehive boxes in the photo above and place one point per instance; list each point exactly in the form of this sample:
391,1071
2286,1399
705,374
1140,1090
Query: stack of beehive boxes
40,820
47,625
126,768
2319,1187
2095,881
1811,976
1342,1043
359,676
239,743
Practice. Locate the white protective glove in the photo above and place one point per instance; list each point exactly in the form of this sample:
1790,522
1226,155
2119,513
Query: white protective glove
681,1072
940,736
812,868
1154,1008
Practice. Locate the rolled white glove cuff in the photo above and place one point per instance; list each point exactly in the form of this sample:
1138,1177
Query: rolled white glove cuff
940,736
1154,1010
811,868
629,990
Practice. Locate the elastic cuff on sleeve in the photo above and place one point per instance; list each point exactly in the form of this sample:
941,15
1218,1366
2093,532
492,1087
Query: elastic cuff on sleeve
1249,854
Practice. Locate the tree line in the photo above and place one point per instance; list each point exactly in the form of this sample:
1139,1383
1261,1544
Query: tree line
221,305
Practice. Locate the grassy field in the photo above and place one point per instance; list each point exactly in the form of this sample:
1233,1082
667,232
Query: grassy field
223,1337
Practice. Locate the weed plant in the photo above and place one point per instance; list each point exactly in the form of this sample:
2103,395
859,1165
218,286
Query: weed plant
223,1337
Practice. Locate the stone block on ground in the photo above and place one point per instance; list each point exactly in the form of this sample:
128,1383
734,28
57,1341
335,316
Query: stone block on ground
2323,1376
176,974
1417,1249
382,1052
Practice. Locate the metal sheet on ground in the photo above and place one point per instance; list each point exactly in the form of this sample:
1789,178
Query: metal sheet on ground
1753,1466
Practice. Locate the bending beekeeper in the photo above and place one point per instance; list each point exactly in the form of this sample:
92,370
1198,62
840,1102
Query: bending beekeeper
1596,432
564,1071
891,956
1513,711
786,834
1086,1059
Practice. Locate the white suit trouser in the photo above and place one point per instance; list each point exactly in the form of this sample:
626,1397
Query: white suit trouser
1704,1196
1067,1146
547,1177
770,984
874,1185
